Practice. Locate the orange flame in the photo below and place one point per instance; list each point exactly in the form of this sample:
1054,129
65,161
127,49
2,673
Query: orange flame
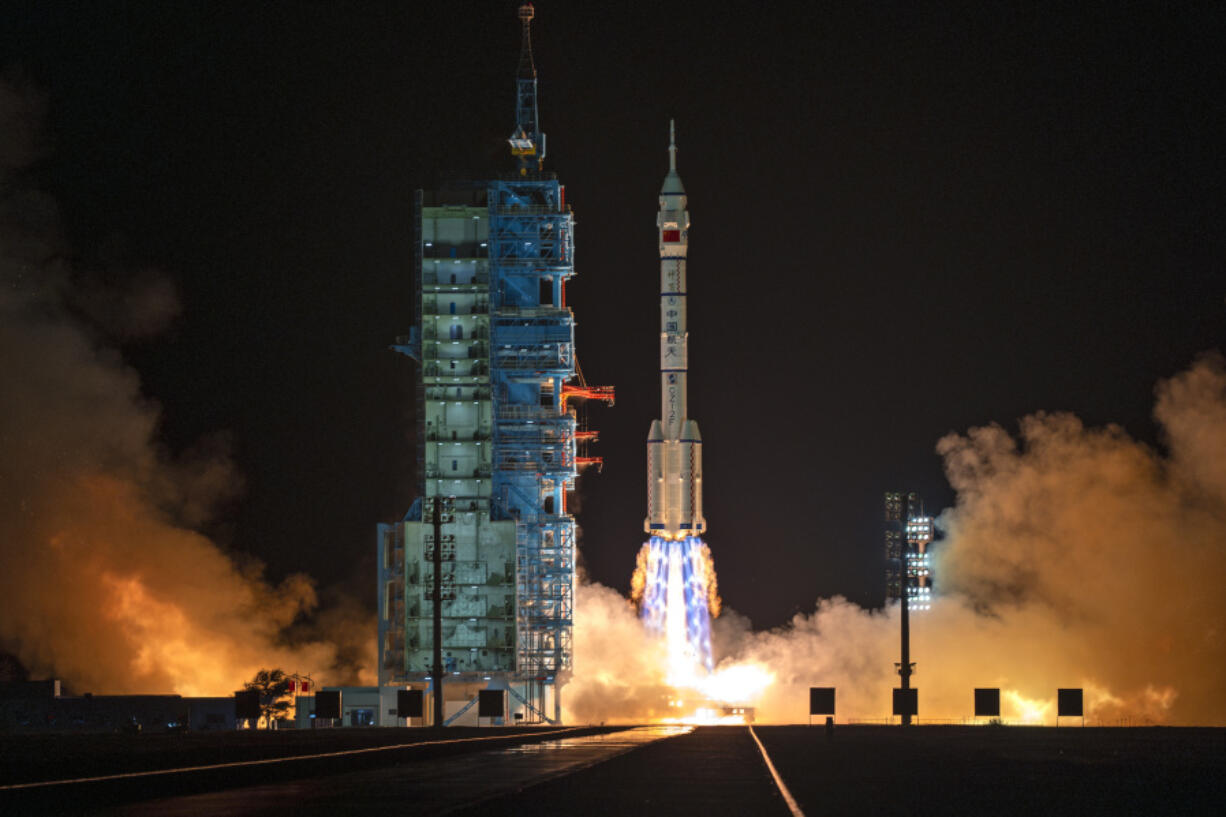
714,602
638,582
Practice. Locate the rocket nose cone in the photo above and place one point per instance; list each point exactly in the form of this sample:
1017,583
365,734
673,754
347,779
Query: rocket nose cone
672,185
655,433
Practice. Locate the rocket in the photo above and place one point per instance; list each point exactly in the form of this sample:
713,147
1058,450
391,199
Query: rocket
675,576
674,446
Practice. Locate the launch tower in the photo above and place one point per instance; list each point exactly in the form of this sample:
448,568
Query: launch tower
498,446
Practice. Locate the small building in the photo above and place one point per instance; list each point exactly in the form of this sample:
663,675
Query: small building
211,714
377,706
39,706
360,706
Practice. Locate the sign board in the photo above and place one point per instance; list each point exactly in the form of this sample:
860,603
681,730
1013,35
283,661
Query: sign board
247,705
1068,703
491,703
906,701
821,700
410,703
987,703
328,704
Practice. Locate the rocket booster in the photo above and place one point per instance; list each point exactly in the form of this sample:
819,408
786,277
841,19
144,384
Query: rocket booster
674,446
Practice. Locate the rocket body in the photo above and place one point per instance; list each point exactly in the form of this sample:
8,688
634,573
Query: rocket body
675,574
674,445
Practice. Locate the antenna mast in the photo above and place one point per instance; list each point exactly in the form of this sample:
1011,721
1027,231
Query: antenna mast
527,142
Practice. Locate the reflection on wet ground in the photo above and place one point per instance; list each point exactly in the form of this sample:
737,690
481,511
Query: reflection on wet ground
716,771
426,787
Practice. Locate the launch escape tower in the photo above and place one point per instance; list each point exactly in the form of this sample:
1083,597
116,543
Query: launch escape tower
498,446
908,537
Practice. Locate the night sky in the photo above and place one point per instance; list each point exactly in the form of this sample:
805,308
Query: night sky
906,222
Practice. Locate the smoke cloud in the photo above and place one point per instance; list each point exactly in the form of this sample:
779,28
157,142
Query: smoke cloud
619,669
1073,557
103,579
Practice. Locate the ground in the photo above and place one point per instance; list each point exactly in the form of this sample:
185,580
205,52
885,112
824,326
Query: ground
708,771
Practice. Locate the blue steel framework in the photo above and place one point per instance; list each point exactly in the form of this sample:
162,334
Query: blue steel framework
532,356
520,272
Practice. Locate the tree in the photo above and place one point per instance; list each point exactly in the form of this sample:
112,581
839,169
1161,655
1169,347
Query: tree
273,688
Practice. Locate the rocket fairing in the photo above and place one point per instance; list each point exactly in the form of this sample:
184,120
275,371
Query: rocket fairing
674,445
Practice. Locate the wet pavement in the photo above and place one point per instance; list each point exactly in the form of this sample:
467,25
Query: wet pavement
1011,770
438,786
715,771
888,771
711,772
29,758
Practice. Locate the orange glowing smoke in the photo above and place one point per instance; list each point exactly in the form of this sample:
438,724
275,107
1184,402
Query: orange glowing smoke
104,581
638,581
623,674
1074,557
119,600
714,602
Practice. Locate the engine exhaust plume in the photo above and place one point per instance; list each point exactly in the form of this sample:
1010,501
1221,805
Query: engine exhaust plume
1074,556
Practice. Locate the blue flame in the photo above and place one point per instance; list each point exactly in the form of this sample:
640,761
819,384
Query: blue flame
679,561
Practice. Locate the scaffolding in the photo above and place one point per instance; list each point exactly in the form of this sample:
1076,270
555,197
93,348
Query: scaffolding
531,358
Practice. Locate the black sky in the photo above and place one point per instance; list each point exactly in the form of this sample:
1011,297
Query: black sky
906,221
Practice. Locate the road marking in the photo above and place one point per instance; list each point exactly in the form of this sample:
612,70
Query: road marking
266,761
787,795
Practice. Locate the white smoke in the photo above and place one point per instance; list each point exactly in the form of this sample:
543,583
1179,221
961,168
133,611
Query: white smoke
1074,557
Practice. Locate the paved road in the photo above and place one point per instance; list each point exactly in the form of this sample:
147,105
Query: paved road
424,787
1001,770
28,758
886,771
714,771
